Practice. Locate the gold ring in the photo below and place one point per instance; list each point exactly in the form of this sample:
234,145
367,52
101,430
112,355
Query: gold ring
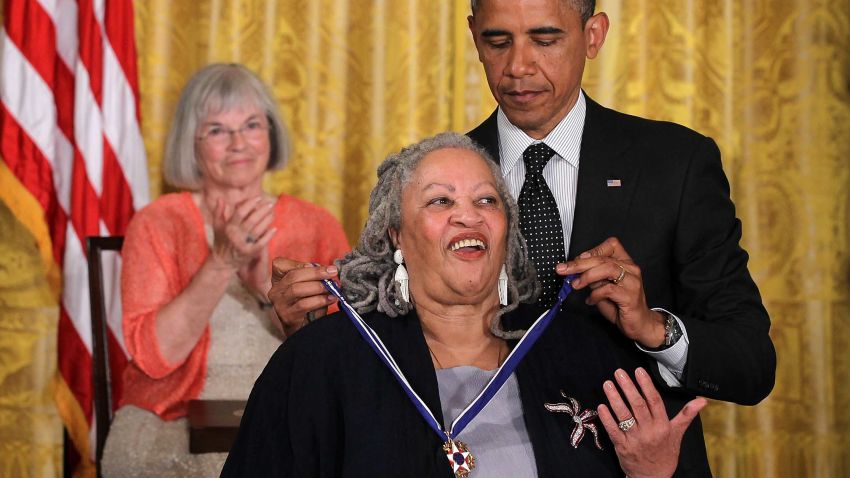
627,424
621,276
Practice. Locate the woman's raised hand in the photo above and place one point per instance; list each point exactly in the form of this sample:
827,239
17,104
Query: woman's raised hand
241,233
647,442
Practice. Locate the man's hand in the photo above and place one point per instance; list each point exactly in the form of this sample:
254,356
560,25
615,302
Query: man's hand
617,291
297,290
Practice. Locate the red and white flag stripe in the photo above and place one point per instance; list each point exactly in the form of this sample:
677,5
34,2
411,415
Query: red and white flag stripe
69,132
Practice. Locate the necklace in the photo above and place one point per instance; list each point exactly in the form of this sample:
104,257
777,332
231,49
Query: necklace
440,365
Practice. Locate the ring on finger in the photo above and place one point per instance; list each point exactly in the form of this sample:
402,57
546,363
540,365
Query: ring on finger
627,424
249,239
621,276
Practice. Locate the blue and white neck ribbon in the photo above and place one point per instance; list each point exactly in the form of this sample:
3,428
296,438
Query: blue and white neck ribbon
493,386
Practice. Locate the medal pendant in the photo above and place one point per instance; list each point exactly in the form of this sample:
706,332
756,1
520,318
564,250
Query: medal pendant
460,458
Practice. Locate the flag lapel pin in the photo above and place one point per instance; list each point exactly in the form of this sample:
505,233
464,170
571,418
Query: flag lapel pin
614,183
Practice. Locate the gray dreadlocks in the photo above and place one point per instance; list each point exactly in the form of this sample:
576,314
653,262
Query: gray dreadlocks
367,272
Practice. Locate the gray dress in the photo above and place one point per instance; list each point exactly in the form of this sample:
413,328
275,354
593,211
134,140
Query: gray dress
242,338
497,437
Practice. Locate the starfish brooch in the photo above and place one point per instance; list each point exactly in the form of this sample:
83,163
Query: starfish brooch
582,419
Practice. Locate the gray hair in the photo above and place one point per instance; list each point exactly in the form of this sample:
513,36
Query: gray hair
367,272
213,89
585,8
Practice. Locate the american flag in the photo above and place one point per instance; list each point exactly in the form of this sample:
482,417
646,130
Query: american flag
69,120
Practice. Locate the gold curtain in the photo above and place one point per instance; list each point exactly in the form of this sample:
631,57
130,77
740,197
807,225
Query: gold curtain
354,80
769,80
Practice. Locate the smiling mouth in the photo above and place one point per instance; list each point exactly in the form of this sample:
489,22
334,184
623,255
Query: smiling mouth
474,244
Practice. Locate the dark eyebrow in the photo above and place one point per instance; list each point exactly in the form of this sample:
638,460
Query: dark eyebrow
534,31
494,33
545,31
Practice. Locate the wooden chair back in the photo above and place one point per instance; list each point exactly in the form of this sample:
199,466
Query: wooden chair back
100,339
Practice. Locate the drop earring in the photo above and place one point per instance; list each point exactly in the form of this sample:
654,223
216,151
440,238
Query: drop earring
401,277
503,286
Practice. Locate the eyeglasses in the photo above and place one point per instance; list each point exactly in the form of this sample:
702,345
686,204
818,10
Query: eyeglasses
251,131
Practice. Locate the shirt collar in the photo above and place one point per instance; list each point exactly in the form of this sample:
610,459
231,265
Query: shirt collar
564,139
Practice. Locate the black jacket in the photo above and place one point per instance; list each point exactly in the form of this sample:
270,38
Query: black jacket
325,406
675,218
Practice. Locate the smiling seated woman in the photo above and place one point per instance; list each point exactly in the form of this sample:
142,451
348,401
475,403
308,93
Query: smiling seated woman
440,275
196,319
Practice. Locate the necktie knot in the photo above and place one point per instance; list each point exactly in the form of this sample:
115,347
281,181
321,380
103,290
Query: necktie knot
535,158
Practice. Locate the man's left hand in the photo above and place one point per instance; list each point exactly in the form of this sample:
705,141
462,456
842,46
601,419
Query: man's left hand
617,291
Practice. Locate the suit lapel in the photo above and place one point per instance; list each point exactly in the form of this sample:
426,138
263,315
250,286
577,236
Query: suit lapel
601,209
487,135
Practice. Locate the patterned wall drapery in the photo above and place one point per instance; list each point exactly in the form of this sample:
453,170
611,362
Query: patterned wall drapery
769,80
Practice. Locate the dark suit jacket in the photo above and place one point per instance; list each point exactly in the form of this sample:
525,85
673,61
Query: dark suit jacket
674,216
325,406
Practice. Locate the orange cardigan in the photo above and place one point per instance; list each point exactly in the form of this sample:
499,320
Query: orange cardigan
164,247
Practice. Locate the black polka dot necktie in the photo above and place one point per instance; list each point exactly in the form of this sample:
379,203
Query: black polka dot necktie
540,222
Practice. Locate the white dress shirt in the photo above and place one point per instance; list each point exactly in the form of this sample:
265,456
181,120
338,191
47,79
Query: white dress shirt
561,175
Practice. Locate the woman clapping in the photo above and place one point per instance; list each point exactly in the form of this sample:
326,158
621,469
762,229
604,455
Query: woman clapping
197,322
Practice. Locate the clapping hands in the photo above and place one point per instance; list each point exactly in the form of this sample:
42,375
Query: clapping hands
241,235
